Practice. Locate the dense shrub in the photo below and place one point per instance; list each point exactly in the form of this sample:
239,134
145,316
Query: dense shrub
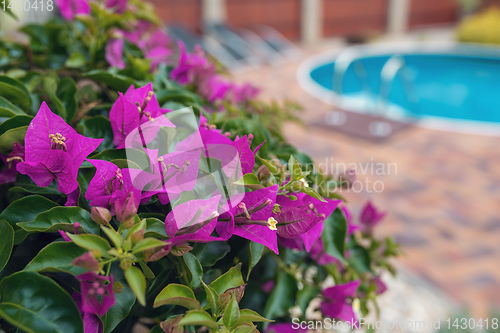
137,181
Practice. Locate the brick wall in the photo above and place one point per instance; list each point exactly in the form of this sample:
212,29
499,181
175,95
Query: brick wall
430,12
354,17
283,15
489,3
187,12
340,17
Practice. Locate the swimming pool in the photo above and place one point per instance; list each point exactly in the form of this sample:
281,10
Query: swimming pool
446,86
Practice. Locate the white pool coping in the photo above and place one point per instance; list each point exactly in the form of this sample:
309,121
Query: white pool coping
367,50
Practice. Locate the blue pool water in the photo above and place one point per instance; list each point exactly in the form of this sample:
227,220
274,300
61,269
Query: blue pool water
450,86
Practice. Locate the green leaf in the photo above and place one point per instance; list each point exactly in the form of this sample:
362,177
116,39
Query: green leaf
6,242
76,60
66,93
199,318
115,81
15,91
123,302
269,165
246,328
230,279
7,109
212,297
62,218
194,269
155,228
157,329
113,236
91,243
312,192
56,257
50,88
137,283
282,297
248,179
14,122
359,259
231,313
177,294
255,250
36,304
334,234
147,244
35,189
98,127
209,253
25,209
249,316
111,154
148,273
12,136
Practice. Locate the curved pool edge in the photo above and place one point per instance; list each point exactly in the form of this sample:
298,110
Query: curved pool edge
437,123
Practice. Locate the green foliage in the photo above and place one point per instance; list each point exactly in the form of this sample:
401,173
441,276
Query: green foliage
217,284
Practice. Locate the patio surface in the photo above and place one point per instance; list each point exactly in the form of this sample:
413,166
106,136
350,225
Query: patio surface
443,201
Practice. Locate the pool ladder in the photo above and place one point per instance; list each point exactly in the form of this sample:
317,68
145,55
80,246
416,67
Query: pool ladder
395,66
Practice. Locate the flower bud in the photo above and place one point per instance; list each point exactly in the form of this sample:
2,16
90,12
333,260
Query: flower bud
126,208
118,287
263,172
100,215
87,261
137,236
348,178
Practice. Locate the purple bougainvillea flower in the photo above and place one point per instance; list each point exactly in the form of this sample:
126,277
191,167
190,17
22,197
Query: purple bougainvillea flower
91,322
381,287
192,221
107,185
351,227
192,68
124,117
54,151
268,286
97,293
114,53
135,108
243,93
157,48
135,35
370,216
72,199
87,261
118,6
215,88
70,8
337,301
252,218
219,146
8,175
303,217
319,254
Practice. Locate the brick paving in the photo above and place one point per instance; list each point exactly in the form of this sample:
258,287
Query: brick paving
443,202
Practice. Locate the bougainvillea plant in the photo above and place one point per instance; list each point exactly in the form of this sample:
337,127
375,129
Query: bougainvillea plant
138,183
